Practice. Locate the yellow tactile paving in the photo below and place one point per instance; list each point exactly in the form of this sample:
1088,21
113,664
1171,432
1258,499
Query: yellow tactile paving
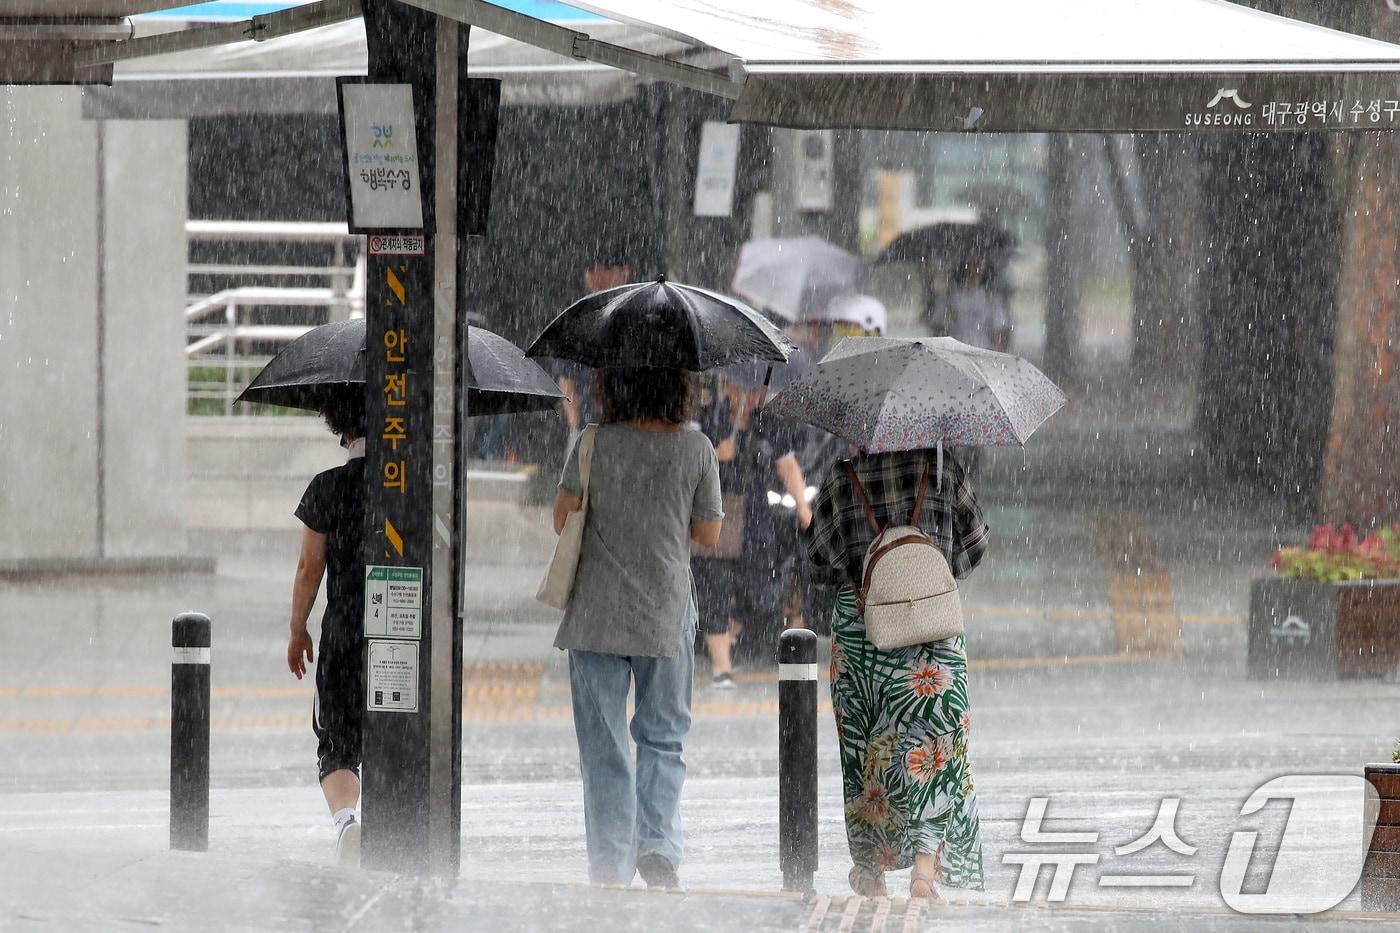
132,691
1212,619
1145,617
499,703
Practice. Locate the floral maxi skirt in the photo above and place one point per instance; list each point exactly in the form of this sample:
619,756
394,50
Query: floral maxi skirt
902,723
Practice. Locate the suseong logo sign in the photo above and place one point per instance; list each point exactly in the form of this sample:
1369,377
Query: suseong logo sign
1220,112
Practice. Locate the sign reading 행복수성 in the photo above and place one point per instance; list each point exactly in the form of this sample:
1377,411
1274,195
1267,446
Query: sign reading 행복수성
381,157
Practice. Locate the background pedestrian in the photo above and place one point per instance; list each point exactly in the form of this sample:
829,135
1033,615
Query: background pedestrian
332,513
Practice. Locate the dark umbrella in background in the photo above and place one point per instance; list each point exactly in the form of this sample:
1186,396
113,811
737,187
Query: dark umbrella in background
753,375
662,324
996,199
331,358
948,243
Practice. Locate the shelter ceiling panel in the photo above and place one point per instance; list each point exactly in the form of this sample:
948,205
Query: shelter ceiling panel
84,9
993,31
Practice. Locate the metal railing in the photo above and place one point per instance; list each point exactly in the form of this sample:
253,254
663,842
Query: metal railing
240,310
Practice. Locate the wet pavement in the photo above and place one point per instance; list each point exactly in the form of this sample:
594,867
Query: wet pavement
1107,674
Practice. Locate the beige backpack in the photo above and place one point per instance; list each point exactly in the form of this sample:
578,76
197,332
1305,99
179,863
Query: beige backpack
907,592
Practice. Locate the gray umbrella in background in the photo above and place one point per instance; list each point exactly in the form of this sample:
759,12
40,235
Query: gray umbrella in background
886,393
331,358
795,277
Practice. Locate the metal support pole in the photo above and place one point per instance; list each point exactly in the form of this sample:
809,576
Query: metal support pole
189,732
797,758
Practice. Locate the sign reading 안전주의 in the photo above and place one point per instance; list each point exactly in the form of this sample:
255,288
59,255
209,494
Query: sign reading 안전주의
381,156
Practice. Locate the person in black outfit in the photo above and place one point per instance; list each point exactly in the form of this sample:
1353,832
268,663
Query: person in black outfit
715,575
332,511
756,457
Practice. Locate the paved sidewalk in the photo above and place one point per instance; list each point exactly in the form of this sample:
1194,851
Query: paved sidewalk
148,889
1107,674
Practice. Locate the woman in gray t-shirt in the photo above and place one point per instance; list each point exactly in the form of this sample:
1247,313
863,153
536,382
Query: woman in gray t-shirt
654,486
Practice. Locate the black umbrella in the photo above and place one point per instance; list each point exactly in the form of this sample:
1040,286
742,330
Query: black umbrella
950,242
663,324
331,358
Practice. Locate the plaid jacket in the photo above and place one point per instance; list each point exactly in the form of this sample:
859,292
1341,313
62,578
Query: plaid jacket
840,531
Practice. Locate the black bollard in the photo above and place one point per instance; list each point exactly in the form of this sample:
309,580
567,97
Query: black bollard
189,732
797,758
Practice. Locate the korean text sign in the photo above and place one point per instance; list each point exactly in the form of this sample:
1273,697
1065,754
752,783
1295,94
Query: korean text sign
383,182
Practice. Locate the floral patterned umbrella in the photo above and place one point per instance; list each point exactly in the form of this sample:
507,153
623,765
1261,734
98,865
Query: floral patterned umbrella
885,393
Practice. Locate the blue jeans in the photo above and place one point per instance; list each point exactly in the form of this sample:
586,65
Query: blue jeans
629,815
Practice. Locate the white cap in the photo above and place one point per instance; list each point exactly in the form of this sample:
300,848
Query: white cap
864,310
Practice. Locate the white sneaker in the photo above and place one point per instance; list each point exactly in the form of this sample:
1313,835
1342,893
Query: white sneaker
347,846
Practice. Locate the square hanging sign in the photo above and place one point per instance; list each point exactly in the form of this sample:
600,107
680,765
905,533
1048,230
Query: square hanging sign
382,171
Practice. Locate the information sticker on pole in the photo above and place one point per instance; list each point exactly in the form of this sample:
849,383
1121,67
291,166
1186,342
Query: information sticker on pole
391,676
394,602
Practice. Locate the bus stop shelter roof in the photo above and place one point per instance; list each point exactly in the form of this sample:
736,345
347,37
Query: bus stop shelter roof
299,71
996,65
1022,65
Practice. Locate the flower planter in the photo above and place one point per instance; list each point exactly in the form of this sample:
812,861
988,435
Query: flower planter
1302,629
1380,878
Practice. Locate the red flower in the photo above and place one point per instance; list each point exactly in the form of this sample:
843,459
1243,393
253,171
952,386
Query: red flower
886,858
926,759
873,805
930,680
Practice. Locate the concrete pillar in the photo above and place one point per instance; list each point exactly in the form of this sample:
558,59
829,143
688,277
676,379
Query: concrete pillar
143,365
92,280
48,325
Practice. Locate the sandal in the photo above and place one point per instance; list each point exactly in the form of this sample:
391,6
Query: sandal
867,882
925,887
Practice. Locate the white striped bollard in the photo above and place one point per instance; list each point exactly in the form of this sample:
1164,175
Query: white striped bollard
189,732
797,758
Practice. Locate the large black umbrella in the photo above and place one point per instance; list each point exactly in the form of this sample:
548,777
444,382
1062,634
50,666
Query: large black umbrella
663,324
950,243
331,358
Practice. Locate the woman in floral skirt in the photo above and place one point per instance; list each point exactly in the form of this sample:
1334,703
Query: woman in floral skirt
902,715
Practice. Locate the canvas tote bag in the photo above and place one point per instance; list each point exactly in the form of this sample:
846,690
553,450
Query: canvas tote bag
558,583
